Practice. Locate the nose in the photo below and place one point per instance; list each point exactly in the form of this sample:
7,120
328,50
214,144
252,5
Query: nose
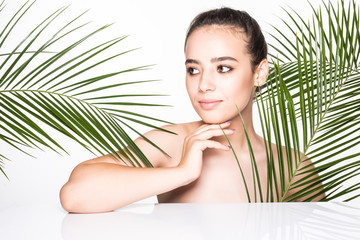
206,82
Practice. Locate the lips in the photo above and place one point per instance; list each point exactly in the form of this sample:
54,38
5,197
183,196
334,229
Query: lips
209,104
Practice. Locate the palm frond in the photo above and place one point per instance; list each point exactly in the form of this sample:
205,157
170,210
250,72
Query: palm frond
61,89
311,105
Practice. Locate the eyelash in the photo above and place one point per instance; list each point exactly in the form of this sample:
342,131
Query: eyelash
223,66
191,70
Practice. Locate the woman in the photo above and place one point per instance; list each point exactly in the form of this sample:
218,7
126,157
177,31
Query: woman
225,62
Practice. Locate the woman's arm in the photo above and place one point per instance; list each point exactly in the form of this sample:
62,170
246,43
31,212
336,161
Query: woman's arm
104,184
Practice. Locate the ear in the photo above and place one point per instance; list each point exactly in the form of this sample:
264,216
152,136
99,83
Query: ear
261,73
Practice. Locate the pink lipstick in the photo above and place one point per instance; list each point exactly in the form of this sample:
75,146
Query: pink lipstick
209,104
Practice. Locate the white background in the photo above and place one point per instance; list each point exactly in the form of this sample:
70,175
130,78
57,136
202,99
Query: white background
159,28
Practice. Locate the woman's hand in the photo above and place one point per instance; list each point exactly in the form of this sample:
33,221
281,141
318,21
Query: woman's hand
197,142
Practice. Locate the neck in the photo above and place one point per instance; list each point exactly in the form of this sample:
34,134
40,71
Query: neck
238,139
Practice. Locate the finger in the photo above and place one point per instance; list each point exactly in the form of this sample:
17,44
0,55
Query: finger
224,124
202,128
214,145
206,127
214,133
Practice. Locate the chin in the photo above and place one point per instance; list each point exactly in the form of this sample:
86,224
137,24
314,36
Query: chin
214,119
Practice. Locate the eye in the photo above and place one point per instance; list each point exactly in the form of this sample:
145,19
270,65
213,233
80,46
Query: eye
192,71
223,69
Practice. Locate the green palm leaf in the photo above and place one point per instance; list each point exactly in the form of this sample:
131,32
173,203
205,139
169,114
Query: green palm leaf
311,105
41,87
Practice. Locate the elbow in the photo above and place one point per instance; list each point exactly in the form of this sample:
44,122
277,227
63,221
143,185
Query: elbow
67,199
73,194
73,200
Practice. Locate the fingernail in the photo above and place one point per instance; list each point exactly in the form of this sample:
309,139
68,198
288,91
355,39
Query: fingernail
232,129
228,121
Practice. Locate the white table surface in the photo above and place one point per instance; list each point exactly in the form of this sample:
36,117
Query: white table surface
290,221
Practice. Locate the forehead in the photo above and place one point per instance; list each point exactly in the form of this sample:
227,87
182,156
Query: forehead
216,40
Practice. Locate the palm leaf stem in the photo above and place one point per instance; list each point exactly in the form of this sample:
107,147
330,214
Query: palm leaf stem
7,54
254,168
237,160
276,123
268,149
318,124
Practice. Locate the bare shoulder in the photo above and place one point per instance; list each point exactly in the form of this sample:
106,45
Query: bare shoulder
161,146
169,139
297,157
301,167
311,183
298,160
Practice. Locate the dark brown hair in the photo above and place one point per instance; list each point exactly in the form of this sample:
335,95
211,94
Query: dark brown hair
228,17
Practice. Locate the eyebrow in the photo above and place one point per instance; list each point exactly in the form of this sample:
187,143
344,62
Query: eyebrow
191,61
213,60
219,59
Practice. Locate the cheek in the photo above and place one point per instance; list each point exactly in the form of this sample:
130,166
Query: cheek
190,87
240,90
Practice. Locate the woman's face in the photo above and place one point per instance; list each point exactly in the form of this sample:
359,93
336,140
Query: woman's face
218,73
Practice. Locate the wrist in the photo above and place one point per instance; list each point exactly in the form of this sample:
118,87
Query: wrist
186,175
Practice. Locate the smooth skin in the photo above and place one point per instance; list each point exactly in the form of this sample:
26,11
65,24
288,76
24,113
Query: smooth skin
202,167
